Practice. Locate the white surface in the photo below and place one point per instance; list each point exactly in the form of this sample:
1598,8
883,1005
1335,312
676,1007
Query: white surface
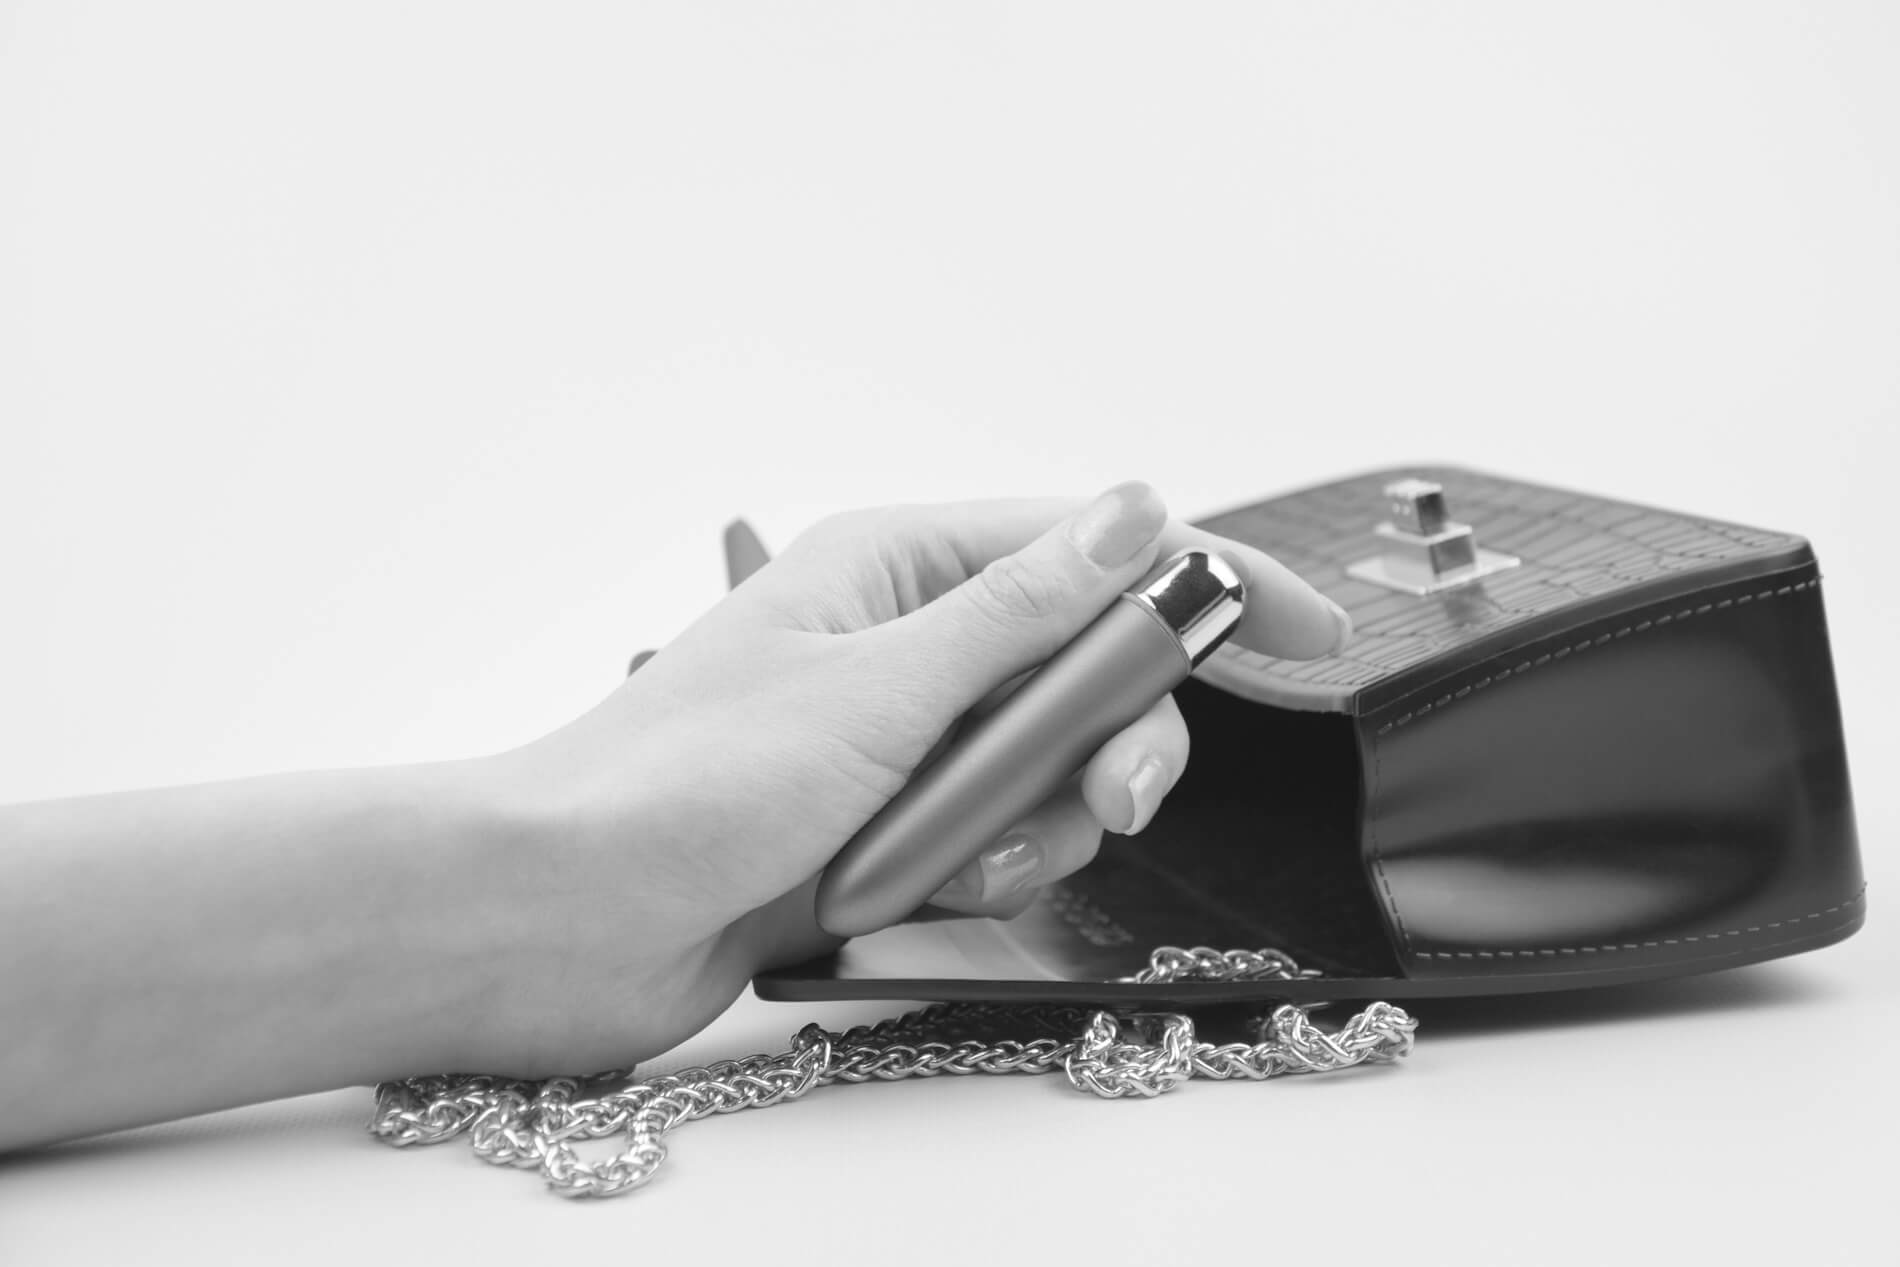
366,371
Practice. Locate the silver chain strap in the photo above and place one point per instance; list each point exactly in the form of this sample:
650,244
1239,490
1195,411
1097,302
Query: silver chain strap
536,1124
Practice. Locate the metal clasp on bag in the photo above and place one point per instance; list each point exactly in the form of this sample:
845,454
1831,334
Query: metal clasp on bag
1427,551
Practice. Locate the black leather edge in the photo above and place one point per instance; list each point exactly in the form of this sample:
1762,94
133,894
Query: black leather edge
812,983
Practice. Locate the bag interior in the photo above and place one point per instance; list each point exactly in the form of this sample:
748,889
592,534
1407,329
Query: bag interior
1257,845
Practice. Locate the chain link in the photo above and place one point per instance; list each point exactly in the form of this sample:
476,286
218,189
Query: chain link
536,1124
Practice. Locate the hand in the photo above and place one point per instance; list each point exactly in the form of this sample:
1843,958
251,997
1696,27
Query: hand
666,844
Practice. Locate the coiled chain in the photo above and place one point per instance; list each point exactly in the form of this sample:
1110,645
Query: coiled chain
536,1124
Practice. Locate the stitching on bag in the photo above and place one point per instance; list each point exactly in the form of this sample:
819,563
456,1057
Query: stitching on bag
1551,657
1378,856
1378,762
1643,945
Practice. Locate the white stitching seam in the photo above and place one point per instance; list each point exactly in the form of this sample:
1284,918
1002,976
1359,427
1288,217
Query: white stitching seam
1642,945
1562,652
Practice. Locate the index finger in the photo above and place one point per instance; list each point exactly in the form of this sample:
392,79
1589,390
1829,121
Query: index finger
938,547
1284,615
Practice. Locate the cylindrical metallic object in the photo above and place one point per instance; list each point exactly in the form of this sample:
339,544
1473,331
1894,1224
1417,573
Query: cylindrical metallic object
1011,760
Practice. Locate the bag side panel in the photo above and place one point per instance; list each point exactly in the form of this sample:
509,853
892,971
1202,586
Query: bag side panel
1666,786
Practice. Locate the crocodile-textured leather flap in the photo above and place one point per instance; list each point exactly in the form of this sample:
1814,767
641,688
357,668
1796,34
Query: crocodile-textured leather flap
1574,548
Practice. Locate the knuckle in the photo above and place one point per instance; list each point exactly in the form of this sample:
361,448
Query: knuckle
1011,588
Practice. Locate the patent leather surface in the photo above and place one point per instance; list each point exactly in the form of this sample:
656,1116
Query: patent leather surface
1664,785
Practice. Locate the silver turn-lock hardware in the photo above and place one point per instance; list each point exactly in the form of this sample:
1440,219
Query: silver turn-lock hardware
1426,550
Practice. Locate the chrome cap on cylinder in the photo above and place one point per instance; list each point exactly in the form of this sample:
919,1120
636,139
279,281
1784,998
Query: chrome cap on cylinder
1198,596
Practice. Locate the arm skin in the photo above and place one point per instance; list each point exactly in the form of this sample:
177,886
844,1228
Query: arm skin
169,952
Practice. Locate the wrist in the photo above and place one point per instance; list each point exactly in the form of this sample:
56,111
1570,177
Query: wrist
443,849
535,924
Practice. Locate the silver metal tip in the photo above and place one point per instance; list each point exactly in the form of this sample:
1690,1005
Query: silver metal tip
1199,595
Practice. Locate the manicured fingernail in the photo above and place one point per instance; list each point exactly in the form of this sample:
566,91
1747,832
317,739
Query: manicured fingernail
1010,866
1344,624
1146,786
1114,527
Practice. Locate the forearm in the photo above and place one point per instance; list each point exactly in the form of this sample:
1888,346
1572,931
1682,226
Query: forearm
170,952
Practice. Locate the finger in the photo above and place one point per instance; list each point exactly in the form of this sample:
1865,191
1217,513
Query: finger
1059,838
1023,606
1125,781
1283,616
927,552
745,553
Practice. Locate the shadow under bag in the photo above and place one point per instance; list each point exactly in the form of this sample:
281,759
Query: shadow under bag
1572,742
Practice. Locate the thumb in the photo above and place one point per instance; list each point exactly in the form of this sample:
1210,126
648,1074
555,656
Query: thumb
1023,606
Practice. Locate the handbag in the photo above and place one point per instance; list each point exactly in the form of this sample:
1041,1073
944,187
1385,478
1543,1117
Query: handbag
1573,742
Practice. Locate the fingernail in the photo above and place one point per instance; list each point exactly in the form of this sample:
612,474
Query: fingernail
1146,786
1114,527
1010,867
1343,623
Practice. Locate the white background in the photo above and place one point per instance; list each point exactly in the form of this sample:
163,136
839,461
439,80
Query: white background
375,377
